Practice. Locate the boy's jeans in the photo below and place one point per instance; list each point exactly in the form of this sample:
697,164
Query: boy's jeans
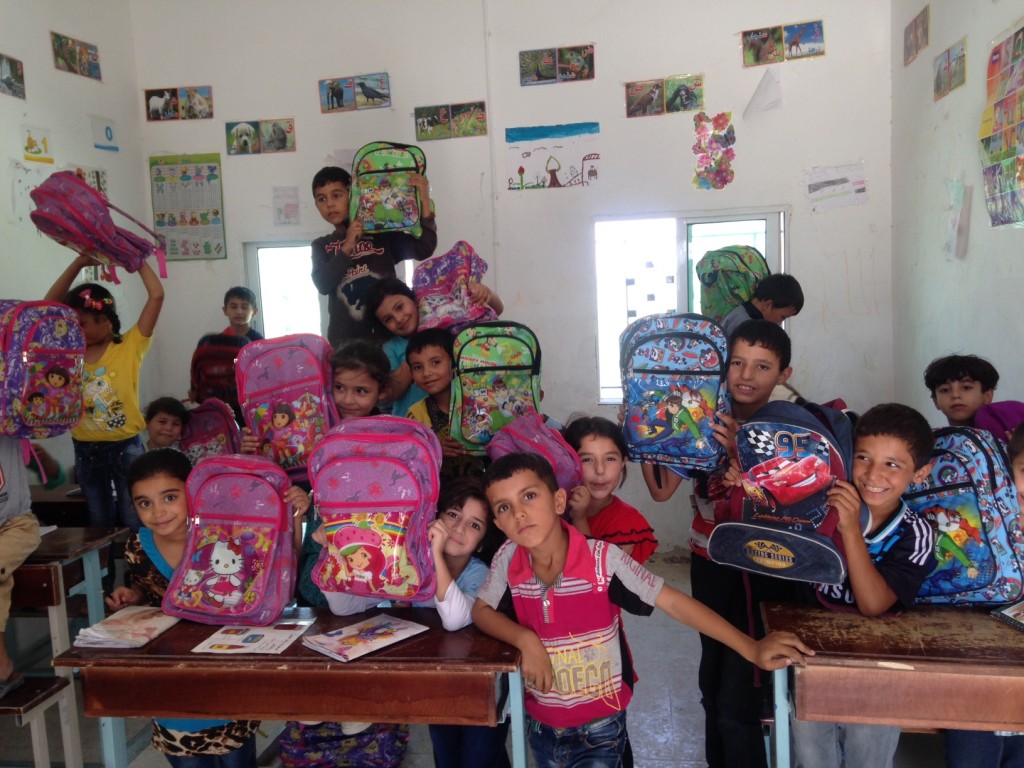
832,745
597,744
100,469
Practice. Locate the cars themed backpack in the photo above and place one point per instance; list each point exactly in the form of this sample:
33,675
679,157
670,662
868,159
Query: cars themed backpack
78,216
441,284
211,430
497,377
375,486
42,358
782,524
728,277
381,196
284,387
970,500
673,383
529,433
238,566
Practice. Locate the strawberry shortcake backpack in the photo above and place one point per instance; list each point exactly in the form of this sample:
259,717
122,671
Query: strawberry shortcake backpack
42,357
381,196
211,430
375,486
529,433
284,388
238,566
970,501
441,284
497,377
673,383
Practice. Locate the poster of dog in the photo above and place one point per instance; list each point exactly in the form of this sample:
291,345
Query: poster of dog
277,135
243,137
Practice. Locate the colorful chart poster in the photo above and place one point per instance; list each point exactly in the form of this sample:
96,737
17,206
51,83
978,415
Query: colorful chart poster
1001,133
188,205
549,156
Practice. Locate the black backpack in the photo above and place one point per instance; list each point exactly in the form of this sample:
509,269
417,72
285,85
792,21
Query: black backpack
213,369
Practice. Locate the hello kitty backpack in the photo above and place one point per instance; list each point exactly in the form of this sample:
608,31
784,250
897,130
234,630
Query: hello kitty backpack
211,430
239,564
375,486
42,357
441,284
284,388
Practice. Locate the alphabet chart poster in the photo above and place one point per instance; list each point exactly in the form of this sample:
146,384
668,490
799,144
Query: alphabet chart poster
188,205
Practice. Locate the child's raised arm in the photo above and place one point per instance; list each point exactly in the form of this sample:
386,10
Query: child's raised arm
536,664
481,294
154,300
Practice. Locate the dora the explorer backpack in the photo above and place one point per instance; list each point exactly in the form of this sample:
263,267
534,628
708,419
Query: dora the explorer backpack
673,384
529,433
381,196
728,277
497,377
970,501
238,566
284,387
782,524
375,486
211,430
78,216
42,355
441,284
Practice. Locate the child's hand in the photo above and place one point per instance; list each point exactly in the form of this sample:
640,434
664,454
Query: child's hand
320,537
122,597
725,428
479,294
419,181
780,649
352,235
298,499
437,534
847,501
733,476
451,447
250,443
536,664
579,503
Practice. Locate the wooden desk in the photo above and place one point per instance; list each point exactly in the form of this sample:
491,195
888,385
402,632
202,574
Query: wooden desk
55,507
929,668
436,677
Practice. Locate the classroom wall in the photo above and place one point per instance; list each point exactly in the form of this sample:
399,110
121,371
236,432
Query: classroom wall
264,63
968,305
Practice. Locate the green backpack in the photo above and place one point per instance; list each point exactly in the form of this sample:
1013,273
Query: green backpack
728,278
381,196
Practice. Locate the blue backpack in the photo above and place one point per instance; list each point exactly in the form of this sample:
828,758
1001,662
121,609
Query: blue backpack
673,383
970,500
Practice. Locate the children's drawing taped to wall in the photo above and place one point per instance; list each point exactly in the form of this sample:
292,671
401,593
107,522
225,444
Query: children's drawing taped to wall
547,156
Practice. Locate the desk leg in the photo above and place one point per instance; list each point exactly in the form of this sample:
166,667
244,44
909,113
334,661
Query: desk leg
59,642
782,710
113,742
94,585
518,713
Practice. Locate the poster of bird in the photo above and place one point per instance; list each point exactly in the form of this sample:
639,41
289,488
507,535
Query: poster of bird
351,92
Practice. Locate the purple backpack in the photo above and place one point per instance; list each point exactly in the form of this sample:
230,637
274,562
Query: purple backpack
530,434
42,357
78,216
239,565
441,284
375,485
284,388
211,431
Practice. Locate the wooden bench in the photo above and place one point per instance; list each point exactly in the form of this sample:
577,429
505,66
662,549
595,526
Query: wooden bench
28,704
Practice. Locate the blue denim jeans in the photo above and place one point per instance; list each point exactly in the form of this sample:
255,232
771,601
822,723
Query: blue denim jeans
834,745
983,749
470,746
597,744
243,757
100,469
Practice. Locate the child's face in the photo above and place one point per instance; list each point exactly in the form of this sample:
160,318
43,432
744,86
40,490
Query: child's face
466,528
95,328
775,314
355,393
431,369
882,470
164,430
525,509
602,465
332,202
960,400
162,505
753,373
1018,478
239,312
358,560
399,314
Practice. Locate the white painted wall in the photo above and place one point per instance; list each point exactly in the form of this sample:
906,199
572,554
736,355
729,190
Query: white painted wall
969,306
264,63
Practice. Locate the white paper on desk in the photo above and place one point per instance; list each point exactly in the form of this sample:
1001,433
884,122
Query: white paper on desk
45,529
131,627
270,639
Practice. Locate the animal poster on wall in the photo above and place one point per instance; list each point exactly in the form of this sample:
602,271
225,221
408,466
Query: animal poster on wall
645,98
950,69
161,104
191,102
372,91
337,94
195,103
549,156
35,144
1002,133
433,122
804,40
774,45
243,137
915,36
569,64
762,46
12,77
188,205
75,56
576,63
469,119
679,93
277,135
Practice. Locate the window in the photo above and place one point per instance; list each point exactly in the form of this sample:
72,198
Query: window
279,274
647,266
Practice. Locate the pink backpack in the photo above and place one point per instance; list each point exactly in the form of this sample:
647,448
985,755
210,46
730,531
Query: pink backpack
284,388
375,485
239,565
528,433
78,216
441,284
42,356
211,431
